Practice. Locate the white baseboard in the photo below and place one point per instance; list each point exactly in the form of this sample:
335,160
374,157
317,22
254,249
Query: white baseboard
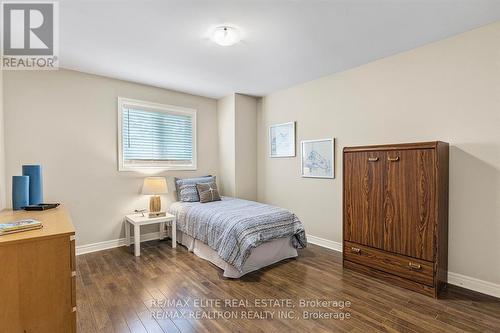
467,282
481,286
87,248
336,246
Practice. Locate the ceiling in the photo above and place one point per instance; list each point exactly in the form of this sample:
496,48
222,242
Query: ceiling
165,43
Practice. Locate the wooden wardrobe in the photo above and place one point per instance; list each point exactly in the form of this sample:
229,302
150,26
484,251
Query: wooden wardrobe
396,214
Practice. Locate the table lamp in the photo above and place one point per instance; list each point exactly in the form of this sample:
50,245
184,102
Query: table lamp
155,186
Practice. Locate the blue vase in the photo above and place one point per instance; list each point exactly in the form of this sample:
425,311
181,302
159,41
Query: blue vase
36,183
20,192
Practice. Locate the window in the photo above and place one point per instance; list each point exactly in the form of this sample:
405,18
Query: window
155,136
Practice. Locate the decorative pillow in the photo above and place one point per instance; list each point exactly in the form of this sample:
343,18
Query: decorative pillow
186,188
208,192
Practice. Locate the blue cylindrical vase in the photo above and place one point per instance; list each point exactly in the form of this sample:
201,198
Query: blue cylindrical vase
20,192
36,183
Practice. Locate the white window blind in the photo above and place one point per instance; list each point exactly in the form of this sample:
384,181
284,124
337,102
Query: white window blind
158,136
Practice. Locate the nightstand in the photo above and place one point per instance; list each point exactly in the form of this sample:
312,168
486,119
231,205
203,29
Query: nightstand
137,220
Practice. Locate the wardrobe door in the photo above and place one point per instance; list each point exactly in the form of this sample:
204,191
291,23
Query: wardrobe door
409,215
363,190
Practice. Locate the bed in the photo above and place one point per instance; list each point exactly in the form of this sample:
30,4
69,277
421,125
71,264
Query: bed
239,236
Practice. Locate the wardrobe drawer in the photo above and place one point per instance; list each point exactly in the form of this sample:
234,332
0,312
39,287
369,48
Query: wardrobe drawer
406,267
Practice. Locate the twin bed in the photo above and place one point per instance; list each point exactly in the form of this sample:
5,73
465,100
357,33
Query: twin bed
238,236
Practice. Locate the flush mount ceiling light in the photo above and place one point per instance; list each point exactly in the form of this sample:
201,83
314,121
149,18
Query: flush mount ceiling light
225,35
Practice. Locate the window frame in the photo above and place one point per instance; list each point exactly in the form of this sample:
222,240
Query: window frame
155,107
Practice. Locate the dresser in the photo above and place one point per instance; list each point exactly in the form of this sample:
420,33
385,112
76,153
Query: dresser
38,275
395,214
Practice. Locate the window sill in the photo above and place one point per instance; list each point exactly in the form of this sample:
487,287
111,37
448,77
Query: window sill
158,168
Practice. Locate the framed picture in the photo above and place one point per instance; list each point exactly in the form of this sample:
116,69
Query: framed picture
282,140
317,159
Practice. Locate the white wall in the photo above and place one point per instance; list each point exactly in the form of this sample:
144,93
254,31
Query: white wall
449,91
67,121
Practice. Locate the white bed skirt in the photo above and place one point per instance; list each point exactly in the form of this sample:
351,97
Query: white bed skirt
263,255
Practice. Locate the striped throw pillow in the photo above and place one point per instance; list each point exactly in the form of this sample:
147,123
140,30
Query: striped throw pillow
186,188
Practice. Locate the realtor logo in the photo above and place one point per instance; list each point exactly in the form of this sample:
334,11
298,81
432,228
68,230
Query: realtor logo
29,35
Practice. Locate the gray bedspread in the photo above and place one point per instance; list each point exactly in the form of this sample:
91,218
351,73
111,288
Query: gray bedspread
232,227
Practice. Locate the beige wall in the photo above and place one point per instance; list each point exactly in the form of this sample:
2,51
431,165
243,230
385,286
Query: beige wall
67,121
449,91
246,147
3,189
237,126
227,154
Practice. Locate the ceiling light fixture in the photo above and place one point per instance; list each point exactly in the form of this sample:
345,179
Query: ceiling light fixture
225,35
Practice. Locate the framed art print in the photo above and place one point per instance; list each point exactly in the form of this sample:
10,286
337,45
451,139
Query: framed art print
317,158
282,140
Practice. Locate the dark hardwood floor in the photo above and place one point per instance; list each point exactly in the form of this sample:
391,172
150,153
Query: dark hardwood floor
117,292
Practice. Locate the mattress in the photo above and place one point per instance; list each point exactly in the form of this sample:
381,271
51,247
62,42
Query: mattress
234,227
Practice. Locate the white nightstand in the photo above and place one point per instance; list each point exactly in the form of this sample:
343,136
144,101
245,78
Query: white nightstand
137,220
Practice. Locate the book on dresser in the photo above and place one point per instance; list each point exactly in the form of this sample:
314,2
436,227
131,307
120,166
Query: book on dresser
19,226
396,214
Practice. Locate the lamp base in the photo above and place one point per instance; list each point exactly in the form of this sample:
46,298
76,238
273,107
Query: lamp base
155,204
157,214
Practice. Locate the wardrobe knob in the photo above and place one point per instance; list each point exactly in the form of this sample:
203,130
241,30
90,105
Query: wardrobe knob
393,159
412,265
355,250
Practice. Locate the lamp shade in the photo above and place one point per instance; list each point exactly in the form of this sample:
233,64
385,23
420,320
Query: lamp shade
154,186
